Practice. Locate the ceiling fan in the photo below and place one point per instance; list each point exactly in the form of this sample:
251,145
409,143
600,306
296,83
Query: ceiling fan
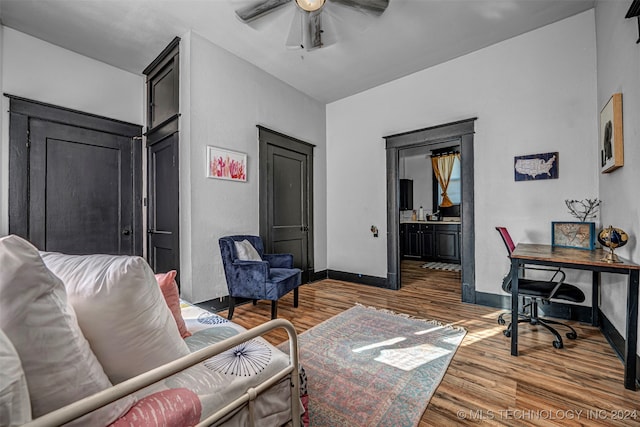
307,27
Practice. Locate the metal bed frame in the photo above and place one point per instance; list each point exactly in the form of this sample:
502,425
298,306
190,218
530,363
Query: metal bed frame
91,403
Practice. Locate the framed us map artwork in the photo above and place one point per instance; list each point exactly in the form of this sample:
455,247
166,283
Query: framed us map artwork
611,141
536,166
580,235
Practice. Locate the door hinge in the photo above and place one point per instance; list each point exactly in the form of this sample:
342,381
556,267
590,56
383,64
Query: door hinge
144,201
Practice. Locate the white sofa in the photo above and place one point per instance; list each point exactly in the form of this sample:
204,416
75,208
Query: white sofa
72,327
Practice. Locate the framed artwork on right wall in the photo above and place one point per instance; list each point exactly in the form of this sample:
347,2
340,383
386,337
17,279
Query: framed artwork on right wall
611,140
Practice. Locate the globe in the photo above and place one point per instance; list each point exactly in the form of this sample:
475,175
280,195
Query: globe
612,238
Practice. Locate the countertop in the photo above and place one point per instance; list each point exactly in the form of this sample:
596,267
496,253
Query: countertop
432,222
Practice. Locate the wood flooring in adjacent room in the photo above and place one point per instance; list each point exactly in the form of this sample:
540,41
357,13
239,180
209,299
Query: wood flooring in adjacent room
581,384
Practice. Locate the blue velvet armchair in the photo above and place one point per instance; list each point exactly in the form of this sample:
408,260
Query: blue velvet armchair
267,279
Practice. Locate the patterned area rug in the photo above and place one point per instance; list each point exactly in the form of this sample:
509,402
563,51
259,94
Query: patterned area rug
370,367
442,266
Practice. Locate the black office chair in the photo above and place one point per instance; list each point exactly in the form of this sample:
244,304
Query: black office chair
537,290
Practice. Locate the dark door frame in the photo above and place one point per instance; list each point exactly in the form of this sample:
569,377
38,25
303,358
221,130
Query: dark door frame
462,130
296,145
21,110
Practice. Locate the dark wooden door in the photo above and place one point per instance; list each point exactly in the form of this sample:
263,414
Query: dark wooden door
286,222
287,211
162,155
163,205
74,190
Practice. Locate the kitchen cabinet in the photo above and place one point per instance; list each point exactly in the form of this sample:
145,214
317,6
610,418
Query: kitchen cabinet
447,243
418,240
430,242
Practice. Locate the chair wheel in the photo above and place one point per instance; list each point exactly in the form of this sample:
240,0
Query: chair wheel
501,321
557,344
507,333
572,335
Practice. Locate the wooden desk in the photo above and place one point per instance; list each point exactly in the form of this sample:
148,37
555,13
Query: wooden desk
526,253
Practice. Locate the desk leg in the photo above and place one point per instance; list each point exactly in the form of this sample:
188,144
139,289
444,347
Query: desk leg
514,306
595,298
632,332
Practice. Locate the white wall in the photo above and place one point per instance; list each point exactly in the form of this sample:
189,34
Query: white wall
619,71
531,94
37,70
223,98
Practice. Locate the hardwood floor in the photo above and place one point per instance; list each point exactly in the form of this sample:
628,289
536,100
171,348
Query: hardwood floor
580,384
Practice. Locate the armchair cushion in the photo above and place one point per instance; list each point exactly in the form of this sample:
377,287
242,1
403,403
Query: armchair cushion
246,251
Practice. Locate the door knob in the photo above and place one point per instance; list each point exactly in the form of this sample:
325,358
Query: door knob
126,232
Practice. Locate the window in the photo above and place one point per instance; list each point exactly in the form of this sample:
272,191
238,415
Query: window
455,188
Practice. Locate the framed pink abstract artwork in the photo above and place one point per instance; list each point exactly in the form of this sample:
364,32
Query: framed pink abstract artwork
226,164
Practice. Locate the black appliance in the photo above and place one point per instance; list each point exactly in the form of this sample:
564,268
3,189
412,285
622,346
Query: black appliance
406,194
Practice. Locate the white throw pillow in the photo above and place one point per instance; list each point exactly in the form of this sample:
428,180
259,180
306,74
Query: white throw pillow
56,358
15,407
246,251
121,311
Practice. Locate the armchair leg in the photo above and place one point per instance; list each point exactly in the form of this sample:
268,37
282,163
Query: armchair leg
274,309
295,297
232,304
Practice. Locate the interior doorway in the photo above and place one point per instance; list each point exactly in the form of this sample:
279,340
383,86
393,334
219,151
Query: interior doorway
286,198
433,137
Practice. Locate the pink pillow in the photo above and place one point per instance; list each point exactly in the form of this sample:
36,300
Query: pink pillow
169,288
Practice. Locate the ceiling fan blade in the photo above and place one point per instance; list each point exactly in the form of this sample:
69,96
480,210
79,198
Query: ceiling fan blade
329,30
259,8
294,40
312,30
306,31
376,7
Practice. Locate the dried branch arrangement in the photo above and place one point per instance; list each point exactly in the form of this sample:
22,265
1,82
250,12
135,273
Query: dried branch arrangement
583,209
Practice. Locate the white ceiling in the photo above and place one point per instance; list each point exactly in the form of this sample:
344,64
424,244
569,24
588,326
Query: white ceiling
410,36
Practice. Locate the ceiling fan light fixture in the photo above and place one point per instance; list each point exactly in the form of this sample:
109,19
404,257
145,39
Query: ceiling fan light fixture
310,5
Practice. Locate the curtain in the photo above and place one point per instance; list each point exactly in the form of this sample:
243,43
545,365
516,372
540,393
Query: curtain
442,167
